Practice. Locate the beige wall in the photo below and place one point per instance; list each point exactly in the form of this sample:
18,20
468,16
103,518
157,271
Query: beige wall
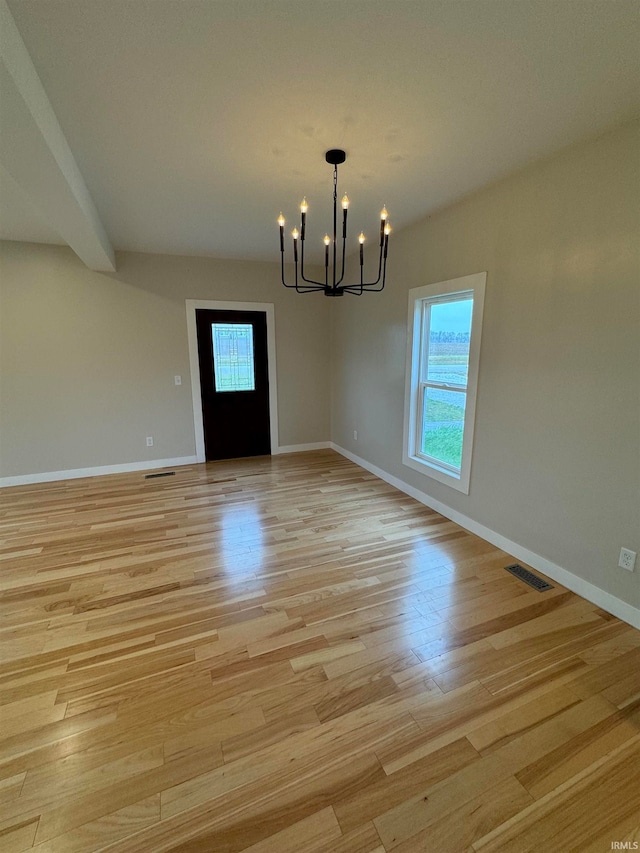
556,463
87,359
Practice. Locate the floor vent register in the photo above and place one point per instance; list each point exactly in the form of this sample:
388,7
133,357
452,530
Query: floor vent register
529,577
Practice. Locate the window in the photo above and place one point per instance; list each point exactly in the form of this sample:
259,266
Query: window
445,323
233,356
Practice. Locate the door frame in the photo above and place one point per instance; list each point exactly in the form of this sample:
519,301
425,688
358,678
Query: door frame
193,305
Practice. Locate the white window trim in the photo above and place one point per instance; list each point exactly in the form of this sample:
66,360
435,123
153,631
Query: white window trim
472,284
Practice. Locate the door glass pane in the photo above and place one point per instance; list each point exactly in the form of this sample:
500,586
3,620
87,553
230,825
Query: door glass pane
233,356
449,336
443,425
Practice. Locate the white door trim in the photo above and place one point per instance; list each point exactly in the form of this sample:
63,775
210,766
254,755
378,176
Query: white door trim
192,305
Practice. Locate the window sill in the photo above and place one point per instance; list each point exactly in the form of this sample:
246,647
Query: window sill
442,475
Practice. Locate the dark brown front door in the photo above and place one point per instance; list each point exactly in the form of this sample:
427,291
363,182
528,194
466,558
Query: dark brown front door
234,382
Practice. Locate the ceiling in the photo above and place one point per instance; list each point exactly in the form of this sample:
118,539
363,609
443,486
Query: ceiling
194,122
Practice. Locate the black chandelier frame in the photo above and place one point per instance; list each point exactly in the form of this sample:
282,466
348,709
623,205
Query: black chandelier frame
303,284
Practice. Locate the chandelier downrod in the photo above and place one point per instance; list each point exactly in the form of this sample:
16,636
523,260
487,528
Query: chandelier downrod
302,284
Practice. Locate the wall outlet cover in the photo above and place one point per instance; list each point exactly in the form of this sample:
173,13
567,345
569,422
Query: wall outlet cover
627,559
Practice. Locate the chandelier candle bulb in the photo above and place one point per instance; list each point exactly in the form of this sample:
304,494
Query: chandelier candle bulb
384,213
281,224
333,285
345,208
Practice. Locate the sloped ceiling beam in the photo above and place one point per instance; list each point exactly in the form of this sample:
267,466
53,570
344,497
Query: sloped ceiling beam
35,152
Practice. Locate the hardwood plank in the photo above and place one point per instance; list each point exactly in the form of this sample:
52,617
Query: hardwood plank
332,742
66,787
578,752
388,791
35,720
579,811
326,655
17,838
89,807
11,787
365,839
508,725
280,730
247,815
216,732
446,825
300,695
107,830
26,707
306,835
351,700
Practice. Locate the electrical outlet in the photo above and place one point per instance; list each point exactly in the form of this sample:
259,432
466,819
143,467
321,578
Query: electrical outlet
355,435
177,380
627,559
149,441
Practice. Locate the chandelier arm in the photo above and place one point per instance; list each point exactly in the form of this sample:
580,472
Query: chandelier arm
335,222
384,269
297,287
353,289
370,284
282,272
371,287
304,278
344,245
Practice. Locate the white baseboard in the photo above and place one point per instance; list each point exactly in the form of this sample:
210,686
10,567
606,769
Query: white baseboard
300,448
76,473
627,612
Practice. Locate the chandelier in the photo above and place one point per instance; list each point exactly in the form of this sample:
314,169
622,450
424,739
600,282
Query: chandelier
332,285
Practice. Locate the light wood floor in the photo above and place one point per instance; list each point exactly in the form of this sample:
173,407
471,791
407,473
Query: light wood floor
289,656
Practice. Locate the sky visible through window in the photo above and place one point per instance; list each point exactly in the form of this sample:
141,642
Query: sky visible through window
454,316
